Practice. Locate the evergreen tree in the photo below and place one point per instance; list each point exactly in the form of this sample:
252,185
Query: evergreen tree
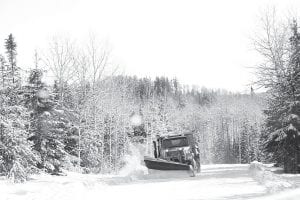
245,143
283,114
3,71
254,151
11,52
49,125
16,157
17,160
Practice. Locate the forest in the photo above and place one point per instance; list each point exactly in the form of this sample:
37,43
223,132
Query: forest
87,116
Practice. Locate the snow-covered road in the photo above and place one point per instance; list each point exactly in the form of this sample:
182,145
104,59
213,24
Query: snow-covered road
214,182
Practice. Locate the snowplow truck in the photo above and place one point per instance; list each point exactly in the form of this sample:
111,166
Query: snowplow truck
175,152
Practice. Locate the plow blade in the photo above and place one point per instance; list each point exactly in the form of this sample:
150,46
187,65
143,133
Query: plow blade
160,164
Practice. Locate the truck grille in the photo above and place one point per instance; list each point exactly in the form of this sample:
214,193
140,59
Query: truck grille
175,156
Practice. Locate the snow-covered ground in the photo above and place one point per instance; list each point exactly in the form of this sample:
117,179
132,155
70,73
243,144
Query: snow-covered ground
214,182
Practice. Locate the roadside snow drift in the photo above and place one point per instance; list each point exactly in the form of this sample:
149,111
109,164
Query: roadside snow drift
271,181
291,194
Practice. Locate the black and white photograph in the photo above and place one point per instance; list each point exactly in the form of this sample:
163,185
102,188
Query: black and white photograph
149,99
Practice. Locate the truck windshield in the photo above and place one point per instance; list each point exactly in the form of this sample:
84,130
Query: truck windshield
174,142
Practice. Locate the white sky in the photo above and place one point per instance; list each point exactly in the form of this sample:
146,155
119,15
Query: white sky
205,43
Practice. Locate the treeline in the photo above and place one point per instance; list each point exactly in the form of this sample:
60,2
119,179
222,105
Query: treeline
227,125
84,121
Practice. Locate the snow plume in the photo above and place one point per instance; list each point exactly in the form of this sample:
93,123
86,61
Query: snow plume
133,167
271,181
44,94
136,120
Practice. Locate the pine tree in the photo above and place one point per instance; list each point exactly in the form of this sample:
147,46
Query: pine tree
11,52
17,159
247,133
49,125
3,71
283,121
254,154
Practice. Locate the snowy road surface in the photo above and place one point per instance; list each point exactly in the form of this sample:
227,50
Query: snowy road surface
215,182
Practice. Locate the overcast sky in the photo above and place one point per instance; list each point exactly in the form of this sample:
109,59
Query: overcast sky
205,43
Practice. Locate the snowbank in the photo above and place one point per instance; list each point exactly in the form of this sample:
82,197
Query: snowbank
47,187
271,181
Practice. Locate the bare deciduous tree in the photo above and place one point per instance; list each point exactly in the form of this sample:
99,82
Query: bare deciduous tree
271,44
98,56
60,60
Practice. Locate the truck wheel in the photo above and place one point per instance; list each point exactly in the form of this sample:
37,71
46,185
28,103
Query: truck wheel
198,165
193,168
192,171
